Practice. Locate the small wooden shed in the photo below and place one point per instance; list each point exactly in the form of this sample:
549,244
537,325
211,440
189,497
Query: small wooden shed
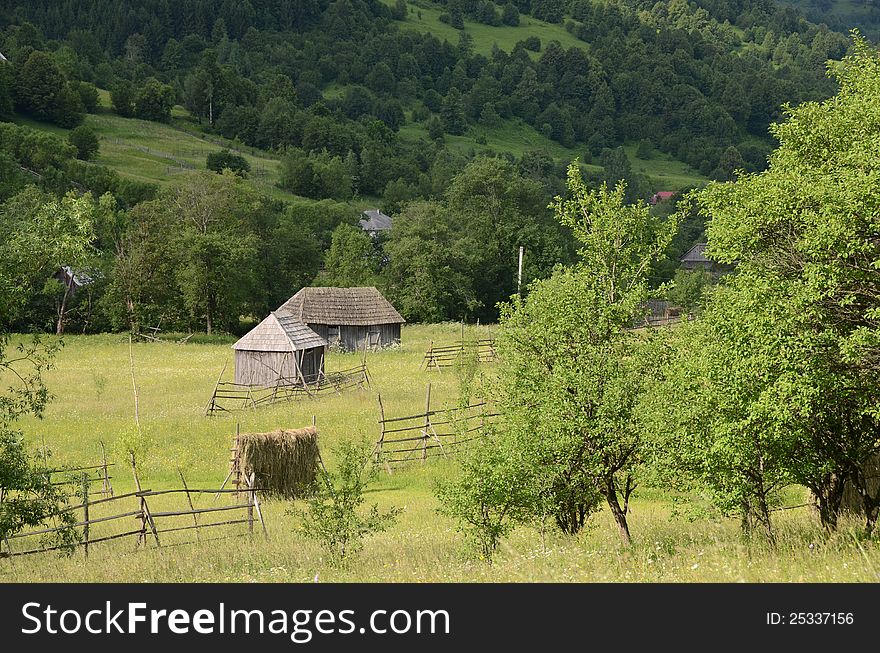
280,349
347,317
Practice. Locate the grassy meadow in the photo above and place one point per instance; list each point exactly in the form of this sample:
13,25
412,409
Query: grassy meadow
94,402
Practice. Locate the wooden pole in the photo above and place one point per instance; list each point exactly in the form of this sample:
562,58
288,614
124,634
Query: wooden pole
108,488
256,504
146,517
189,501
137,418
250,503
209,410
427,422
85,499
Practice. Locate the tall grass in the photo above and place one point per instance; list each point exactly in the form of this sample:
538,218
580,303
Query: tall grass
94,402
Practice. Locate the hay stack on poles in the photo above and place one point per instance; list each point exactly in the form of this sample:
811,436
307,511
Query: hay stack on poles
284,462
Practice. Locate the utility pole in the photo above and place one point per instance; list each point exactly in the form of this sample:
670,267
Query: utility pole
519,273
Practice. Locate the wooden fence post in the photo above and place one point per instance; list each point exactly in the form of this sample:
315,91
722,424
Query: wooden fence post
189,500
146,517
85,506
107,488
250,503
427,422
255,502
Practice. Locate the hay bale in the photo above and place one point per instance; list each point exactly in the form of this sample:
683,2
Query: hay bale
852,502
284,462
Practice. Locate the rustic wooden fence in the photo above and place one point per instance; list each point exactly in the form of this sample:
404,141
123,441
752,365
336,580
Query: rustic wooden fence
228,396
72,477
103,520
428,434
438,357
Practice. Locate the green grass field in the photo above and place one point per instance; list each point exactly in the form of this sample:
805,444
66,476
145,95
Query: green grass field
94,402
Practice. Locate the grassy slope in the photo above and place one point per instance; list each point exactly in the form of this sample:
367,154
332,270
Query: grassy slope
94,402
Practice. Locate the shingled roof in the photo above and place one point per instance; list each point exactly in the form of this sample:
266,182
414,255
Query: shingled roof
696,254
341,306
280,332
375,220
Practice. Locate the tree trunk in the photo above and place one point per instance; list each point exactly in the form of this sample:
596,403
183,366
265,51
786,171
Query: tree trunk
618,512
59,327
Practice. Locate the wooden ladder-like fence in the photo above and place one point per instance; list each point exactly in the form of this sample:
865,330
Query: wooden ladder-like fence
429,434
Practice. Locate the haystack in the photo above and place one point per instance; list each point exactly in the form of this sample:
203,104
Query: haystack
284,462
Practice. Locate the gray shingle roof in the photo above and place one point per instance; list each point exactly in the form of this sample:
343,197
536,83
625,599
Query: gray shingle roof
375,220
280,333
341,306
696,254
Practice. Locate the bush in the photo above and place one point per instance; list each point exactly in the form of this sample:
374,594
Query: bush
219,161
333,517
85,141
88,94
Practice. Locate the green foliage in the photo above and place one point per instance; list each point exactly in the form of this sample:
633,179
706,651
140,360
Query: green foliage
352,260
784,386
122,96
334,517
153,101
487,498
223,159
39,86
689,288
85,141
571,373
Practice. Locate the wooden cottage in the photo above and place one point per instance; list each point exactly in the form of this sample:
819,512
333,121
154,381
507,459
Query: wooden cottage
350,318
280,349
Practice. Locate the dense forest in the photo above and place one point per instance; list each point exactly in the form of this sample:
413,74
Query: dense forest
333,88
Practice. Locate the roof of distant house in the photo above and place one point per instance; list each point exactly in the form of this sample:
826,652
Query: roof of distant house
341,306
662,196
2,58
79,278
375,220
696,254
280,333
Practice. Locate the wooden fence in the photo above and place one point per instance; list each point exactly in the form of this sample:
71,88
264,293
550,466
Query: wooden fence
228,396
437,358
103,520
428,434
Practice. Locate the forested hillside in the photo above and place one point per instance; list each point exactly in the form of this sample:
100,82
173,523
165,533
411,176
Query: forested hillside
458,119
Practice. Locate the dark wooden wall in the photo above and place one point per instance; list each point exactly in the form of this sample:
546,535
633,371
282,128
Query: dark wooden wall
351,338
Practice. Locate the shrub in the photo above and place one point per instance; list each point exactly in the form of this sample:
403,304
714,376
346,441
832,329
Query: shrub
333,517
85,141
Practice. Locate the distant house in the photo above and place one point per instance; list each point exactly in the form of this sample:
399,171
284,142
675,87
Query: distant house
280,349
2,58
374,222
350,318
662,196
71,279
695,259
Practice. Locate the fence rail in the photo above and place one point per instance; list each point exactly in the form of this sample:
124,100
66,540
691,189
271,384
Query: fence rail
84,528
416,437
228,396
438,357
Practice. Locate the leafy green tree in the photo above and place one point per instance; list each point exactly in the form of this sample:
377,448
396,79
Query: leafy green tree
223,159
510,15
85,141
69,109
153,101
88,94
571,370
452,114
803,237
39,86
122,97
352,260
216,248
334,515
428,276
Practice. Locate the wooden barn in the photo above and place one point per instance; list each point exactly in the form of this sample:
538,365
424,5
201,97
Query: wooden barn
280,349
350,318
